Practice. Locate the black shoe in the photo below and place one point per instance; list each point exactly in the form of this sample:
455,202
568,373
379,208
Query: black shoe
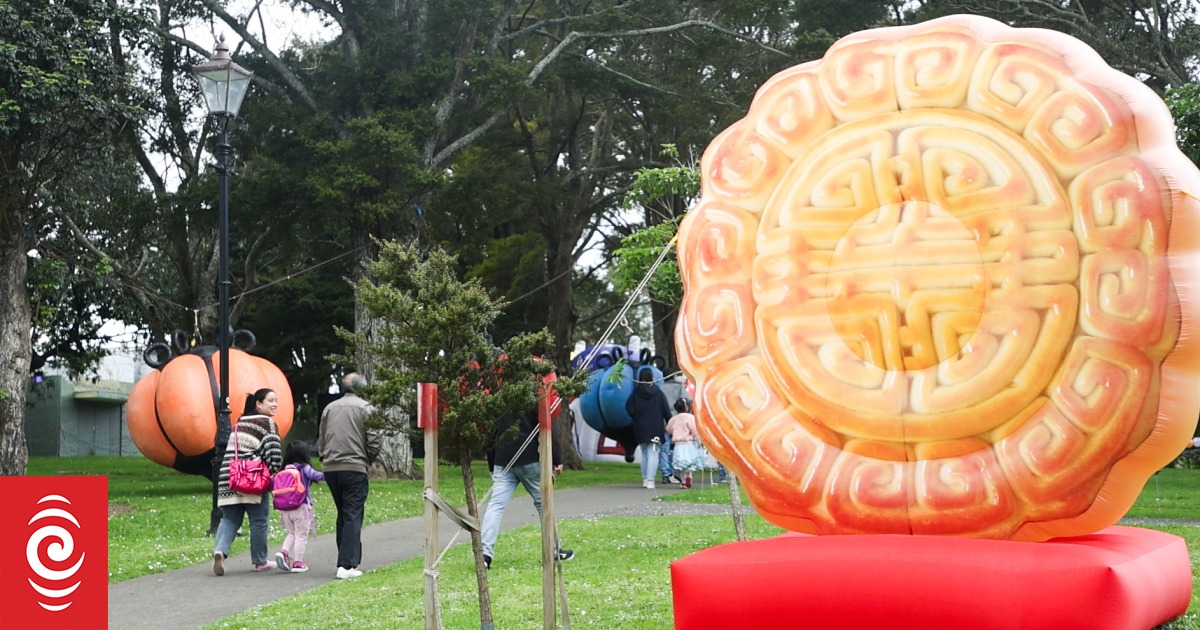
487,561
564,555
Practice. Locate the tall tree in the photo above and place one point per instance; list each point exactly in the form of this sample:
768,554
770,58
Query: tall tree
385,108
1185,107
448,74
1157,42
58,112
701,84
419,297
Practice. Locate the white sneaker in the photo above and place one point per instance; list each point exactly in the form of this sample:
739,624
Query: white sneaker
650,484
346,574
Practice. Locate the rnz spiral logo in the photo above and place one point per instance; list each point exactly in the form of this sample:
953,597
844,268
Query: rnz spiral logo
60,550
55,542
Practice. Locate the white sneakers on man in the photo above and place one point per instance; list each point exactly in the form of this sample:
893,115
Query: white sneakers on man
648,483
346,574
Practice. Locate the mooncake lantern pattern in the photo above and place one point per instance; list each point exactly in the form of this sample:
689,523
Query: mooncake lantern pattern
929,287
172,412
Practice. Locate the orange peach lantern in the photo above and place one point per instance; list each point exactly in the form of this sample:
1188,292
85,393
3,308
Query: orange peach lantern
172,411
942,281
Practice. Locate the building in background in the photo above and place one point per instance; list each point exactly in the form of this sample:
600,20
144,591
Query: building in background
85,416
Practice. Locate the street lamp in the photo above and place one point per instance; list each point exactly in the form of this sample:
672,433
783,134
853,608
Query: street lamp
223,84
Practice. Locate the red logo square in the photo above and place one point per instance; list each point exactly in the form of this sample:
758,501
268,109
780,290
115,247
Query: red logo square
54,553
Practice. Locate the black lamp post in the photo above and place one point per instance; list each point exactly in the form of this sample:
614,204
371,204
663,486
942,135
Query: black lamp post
223,84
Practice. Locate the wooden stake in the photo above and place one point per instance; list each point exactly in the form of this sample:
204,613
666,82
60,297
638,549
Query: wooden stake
427,419
549,542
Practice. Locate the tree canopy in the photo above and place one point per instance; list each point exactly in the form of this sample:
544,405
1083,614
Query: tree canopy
508,134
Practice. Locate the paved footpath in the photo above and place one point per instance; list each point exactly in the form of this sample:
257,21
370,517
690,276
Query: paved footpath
192,597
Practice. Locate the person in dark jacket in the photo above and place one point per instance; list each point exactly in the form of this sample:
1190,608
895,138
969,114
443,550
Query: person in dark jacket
509,465
648,407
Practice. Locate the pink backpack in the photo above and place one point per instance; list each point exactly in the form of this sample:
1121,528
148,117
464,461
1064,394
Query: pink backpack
287,488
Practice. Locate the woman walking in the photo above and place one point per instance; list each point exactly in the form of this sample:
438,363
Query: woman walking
254,436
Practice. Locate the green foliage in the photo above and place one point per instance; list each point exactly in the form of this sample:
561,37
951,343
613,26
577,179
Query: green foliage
650,185
433,329
1159,46
637,254
69,304
639,250
60,105
292,320
51,81
1184,103
375,171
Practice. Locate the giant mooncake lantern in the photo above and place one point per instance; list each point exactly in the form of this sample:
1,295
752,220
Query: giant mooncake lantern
936,284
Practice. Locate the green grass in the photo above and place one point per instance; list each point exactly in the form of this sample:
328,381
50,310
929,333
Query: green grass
159,516
1170,493
620,580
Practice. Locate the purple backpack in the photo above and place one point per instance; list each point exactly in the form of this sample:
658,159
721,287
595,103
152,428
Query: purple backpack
287,488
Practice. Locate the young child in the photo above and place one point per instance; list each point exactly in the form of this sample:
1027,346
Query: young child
682,429
298,523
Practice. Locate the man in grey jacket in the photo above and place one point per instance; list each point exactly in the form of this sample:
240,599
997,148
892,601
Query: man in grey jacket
347,448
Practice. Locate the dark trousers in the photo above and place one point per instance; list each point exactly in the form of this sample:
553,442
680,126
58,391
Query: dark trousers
349,490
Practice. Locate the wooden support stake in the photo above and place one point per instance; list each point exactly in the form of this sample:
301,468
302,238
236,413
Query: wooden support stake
549,539
427,420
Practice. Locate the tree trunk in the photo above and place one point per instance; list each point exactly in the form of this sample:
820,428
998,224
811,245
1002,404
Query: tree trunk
396,454
15,348
562,318
485,597
735,506
562,315
664,333
563,433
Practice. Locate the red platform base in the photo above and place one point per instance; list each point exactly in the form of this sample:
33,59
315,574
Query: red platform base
1120,578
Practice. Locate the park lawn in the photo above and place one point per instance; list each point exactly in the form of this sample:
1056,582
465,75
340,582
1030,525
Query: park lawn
1171,493
620,578
158,516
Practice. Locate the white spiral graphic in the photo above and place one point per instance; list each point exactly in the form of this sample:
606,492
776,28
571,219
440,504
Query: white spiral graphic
59,551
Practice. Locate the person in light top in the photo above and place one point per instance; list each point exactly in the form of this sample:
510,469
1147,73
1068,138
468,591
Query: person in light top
682,429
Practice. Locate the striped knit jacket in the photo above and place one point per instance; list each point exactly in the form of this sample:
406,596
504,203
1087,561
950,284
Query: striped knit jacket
256,436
